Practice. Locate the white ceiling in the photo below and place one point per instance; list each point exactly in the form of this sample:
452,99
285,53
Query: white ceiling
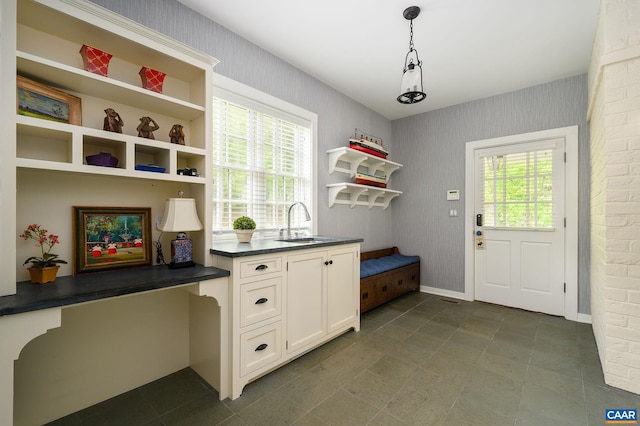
470,49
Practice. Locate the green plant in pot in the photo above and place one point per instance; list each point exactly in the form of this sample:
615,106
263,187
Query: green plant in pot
44,267
244,226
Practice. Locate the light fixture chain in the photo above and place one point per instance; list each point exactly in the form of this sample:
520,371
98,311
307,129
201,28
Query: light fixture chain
411,36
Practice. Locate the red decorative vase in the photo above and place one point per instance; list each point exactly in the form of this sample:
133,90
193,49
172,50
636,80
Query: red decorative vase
152,79
43,275
95,60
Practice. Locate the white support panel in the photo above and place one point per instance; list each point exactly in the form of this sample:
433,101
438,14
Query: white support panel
356,191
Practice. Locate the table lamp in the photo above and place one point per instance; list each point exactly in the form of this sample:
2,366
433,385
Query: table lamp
180,216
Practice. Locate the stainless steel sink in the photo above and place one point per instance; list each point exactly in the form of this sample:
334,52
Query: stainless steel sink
307,240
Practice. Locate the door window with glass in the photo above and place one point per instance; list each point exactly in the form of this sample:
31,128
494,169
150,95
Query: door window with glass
517,189
262,163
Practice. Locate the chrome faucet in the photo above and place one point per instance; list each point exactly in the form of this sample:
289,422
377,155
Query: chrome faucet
306,212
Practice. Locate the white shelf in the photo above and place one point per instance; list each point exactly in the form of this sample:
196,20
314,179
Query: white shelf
361,195
357,159
354,194
74,79
49,145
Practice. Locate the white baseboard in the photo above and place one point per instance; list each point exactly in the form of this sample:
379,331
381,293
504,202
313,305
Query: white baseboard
441,292
585,318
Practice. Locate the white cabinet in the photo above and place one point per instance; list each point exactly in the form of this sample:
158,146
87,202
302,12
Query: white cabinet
321,296
306,299
256,293
342,294
349,161
41,41
286,304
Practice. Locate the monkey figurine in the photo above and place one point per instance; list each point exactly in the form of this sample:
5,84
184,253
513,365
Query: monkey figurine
112,122
146,127
176,134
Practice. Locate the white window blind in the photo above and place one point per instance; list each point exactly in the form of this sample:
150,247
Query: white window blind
261,164
517,189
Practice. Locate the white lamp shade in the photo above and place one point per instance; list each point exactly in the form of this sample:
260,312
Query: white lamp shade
180,215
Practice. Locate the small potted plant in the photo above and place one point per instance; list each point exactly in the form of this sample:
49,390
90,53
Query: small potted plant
244,227
44,268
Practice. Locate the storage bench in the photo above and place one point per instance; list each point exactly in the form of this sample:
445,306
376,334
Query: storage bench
386,274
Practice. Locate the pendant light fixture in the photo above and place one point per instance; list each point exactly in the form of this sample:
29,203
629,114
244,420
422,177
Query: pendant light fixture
411,87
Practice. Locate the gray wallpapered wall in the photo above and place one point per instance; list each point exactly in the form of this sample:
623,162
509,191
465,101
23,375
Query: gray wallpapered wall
430,146
242,61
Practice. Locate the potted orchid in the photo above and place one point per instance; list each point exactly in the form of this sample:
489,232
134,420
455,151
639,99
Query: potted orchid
45,267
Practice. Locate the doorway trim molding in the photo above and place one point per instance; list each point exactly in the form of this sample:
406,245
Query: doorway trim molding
570,135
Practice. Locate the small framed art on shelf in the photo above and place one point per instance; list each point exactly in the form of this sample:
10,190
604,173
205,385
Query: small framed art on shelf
38,100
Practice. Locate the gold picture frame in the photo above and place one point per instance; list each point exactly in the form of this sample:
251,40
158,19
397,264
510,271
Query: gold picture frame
108,238
34,99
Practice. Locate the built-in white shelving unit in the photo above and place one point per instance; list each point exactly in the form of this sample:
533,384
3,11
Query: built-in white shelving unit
349,161
41,41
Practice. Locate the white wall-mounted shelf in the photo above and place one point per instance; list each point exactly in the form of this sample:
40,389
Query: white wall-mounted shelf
354,194
357,159
361,195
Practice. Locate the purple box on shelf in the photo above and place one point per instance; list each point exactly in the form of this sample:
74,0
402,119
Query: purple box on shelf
103,159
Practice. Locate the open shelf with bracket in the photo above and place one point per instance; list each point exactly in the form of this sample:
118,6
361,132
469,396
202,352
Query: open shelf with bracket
357,159
350,161
360,195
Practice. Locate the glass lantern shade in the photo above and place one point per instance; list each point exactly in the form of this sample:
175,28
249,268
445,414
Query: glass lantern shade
411,86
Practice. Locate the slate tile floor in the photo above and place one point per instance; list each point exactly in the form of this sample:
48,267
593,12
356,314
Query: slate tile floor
419,360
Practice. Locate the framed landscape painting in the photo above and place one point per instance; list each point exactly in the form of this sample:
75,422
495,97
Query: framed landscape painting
107,238
40,101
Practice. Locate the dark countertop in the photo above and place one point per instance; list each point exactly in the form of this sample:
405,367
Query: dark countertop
266,246
70,290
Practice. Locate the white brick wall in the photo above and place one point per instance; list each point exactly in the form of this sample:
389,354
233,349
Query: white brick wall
615,192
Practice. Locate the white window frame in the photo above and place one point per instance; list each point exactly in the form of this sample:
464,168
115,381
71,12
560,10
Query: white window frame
225,86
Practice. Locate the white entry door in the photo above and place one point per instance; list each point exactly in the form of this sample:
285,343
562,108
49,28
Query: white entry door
519,227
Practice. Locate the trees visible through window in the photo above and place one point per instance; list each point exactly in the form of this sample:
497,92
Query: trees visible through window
517,190
262,163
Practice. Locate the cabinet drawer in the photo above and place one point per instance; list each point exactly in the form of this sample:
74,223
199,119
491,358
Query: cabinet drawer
260,347
256,268
260,300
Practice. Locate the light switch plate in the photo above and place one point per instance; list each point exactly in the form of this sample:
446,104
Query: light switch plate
453,195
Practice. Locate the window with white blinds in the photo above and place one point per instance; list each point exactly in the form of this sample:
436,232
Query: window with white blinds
262,163
517,190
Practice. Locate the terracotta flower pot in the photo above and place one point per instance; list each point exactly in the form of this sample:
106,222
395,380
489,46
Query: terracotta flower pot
244,235
43,275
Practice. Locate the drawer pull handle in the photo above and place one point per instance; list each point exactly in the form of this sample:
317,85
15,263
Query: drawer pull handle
261,267
261,301
261,347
